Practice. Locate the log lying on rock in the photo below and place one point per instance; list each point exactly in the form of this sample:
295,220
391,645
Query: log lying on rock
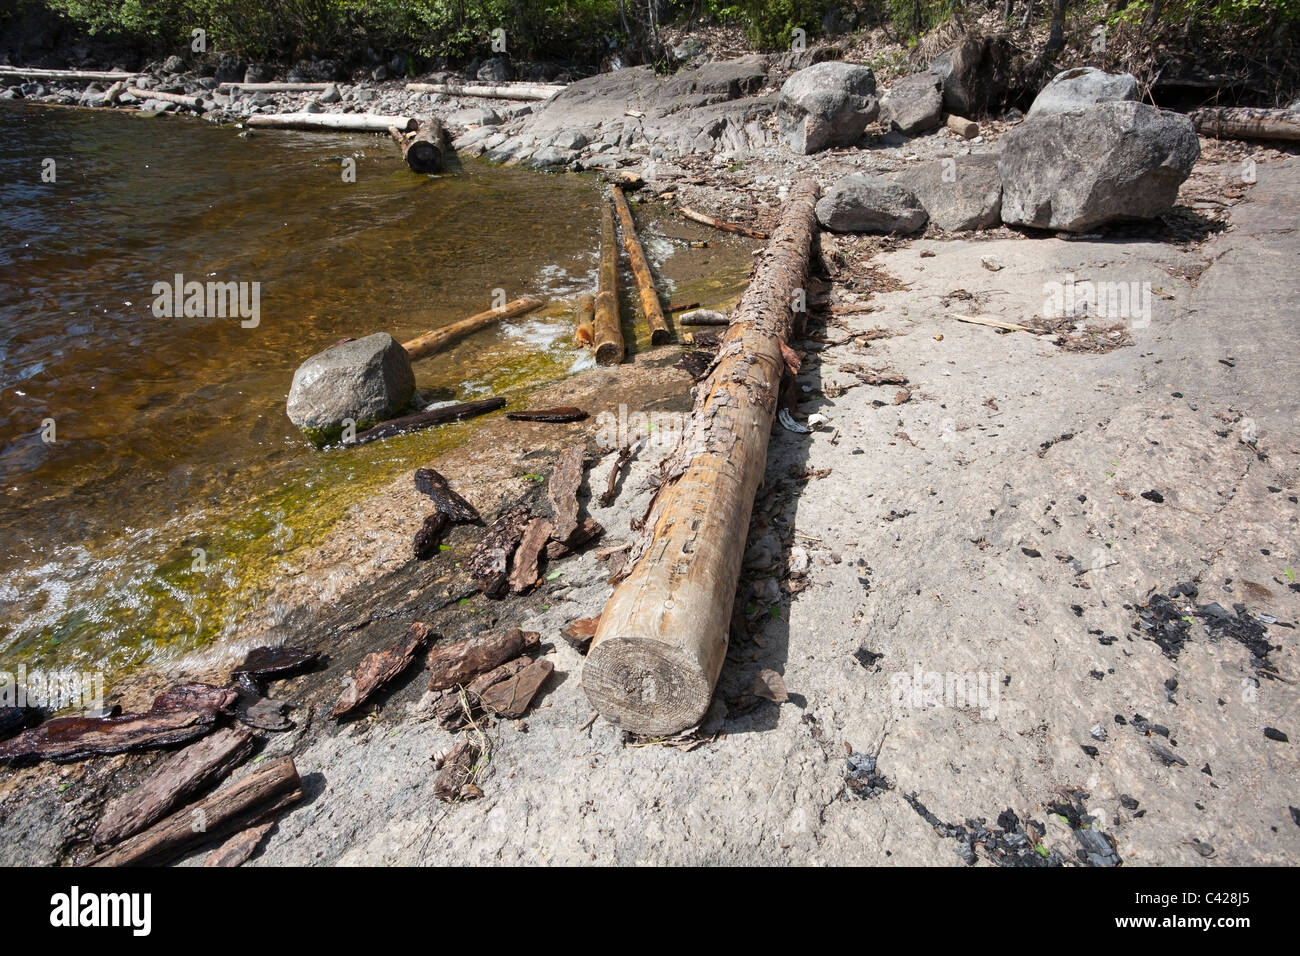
509,91
967,129
451,665
645,283
79,76
663,634
436,416
190,102
422,149
114,93
180,715
354,122
609,336
1241,122
377,669
176,780
439,339
273,663
251,800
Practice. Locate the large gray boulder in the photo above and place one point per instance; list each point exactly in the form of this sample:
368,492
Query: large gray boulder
828,104
862,203
366,380
1078,170
958,194
1083,87
914,103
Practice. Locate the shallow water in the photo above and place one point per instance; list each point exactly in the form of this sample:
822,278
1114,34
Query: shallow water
174,487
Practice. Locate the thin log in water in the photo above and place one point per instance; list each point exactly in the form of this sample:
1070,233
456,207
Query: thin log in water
609,336
720,224
438,416
439,339
650,305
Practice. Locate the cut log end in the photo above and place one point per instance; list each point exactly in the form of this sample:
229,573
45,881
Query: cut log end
645,686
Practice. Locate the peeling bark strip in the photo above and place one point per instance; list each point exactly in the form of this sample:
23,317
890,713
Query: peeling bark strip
456,772
460,663
663,635
377,669
241,846
511,697
445,501
489,565
645,283
565,413
250,800
588,530
177,716
524,574
450,712
562,490
176,779
429,538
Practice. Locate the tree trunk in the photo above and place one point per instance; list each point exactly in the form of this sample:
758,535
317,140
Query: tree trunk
663,634
1243,122
355,122
609,337
438,339
511,91
650,305
423,149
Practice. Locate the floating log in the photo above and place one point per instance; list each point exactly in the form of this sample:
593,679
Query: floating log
354,122
453,664
963,127
1242,122
248,801
191,102
663,634
438,339
277,87
511,697
422,149
178,716
523,574
429,482
650,305
704,317
608,334
510,91
239,848
437,416
83,76
719,224
176,779
377,669
565,413
489,564
585,335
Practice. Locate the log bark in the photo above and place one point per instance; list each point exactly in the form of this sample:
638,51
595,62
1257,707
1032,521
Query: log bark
523,574
176,779
355,122
967,129
246,802
438,416
645,283
453,664
585,335
609,335
1246,123
489,564
511,697
87,76
423,149
377,669
662,637
445,501
191,102
719,224
237,850
512,91
439,339
562,490
560,414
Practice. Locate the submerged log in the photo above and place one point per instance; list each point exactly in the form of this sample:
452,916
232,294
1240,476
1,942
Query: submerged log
355,122
1242,122
719,224
178,716
608,334
438,339
422,149
650,304
459,663
585,335
565,413
445,501
663,634
248,801
489,564
377,669
437,416
190,102
509,91
176,780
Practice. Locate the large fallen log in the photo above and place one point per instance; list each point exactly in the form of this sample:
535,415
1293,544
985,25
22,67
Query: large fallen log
645,283
437,416
189,102
609,336
176,779
662,637
510,91
80,76
422,149
354,122
248,801
439,339
1241,122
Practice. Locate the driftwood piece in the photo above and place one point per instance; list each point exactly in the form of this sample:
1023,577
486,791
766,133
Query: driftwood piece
523,574
190,102
180,715
176,779
439,339
355,122
704,317
564,413
445,501
239,848
608,332
562,491
578,634
651,307
588,531
963,127
114,93
585,334
663,634
78,76
423,148
459,663
437,416
511,697
273,663
508,91
1242,122
451,711
247,801
456,772
489,564
428,540
610,494
277,87
720,224
377,669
